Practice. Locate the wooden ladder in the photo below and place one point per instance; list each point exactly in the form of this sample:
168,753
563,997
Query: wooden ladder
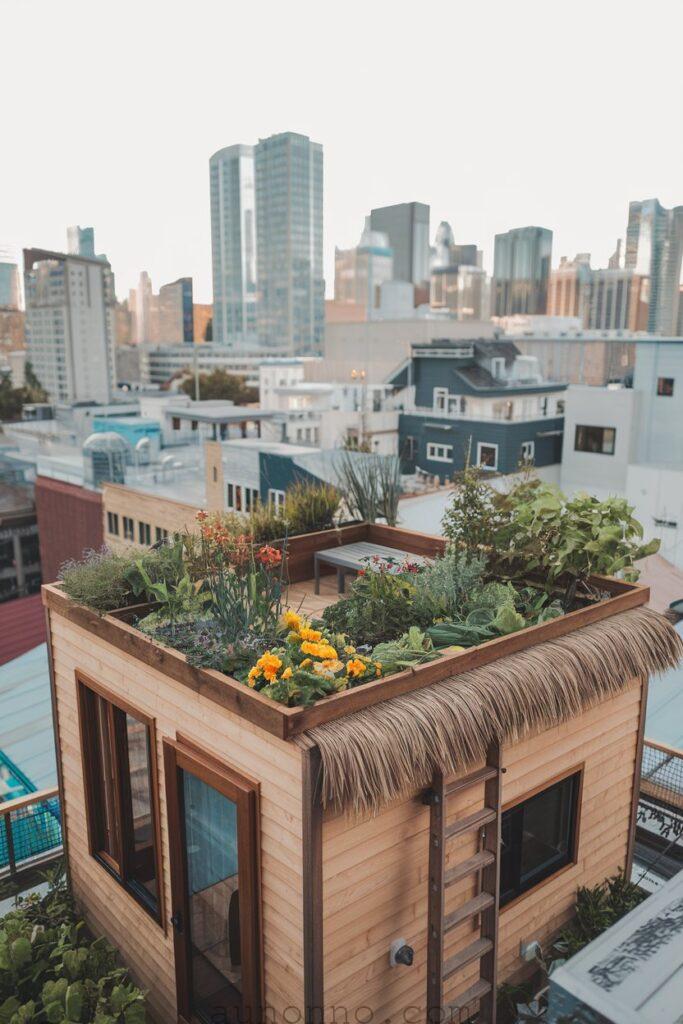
484,905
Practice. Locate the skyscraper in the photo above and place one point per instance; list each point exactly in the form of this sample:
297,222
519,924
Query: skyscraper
233,246
81,241
654,246
407,225
289,244
176,313
70,324
359,272
521,269
568,290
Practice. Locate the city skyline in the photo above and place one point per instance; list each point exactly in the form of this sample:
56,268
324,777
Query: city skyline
148,198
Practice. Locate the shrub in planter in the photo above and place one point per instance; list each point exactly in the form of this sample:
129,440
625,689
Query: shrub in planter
100,580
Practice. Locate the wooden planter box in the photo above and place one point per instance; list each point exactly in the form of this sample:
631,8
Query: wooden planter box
286,722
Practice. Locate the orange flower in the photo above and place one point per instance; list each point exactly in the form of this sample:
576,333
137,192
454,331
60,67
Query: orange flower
355,667
287,674
306,633
322,651
292,620
270,665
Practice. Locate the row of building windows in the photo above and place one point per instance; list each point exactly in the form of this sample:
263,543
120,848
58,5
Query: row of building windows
144,530
487,453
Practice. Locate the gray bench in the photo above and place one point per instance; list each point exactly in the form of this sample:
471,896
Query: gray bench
352,557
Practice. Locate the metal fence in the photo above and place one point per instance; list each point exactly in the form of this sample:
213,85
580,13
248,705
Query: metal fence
30,831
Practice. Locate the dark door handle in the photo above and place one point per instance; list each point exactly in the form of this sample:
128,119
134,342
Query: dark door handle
177,921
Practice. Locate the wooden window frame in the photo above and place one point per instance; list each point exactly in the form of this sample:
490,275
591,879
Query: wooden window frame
577,769
117,867
184,753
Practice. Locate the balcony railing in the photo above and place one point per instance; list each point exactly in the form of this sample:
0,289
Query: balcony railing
30,831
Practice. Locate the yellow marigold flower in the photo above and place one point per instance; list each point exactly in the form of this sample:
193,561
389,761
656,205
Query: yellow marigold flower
306,633
322,651
334,664
270,665
349,649
253,675
292,620
287,674
305,663
355,667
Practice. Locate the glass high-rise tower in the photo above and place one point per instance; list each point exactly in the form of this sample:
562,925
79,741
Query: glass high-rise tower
233,247
289,244
654,246
521,270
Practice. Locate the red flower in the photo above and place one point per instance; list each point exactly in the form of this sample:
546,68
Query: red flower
269,556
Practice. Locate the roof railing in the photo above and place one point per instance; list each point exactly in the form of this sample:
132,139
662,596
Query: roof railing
30,831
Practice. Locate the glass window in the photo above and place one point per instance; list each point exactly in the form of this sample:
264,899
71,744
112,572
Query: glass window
665,386
160,534
487,455
121,794
440,452
113,523
144,533
538,837
598,440
128,528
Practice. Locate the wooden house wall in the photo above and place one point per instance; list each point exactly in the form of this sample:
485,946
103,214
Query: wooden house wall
146,947
375,869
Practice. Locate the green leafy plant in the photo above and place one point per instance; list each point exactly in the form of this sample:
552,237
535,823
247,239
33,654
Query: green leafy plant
52,970
413,648
445,584
566,541
176,600
598,908
380,606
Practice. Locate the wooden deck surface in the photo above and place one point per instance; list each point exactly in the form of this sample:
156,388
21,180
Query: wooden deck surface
302,597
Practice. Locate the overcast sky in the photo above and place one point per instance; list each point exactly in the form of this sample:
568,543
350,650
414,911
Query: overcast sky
497,114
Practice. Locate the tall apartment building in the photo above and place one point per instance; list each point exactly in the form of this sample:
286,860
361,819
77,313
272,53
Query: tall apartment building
10,289
616,301
360,272
568,286
163,319
70,324
462,289
81,241
233,246
521,271
407,225
175,312
654,247
290,305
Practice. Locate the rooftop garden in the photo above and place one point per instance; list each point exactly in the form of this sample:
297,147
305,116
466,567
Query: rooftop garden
220,596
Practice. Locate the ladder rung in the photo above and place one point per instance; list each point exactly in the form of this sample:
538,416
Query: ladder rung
470,909
481,775
472,821
468,867
475,951
465,999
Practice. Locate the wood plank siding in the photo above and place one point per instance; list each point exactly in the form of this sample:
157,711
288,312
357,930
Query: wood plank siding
375,869
146,946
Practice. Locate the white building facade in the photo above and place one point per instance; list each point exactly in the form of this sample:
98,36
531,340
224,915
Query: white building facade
69,324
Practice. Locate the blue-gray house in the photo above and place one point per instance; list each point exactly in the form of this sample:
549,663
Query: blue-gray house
479,395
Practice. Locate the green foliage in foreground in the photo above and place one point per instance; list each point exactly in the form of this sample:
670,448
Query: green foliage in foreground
52,971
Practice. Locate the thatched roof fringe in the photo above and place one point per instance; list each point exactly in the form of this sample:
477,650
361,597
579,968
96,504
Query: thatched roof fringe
391,749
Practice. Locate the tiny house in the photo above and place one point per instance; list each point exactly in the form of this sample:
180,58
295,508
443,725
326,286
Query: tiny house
377,856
